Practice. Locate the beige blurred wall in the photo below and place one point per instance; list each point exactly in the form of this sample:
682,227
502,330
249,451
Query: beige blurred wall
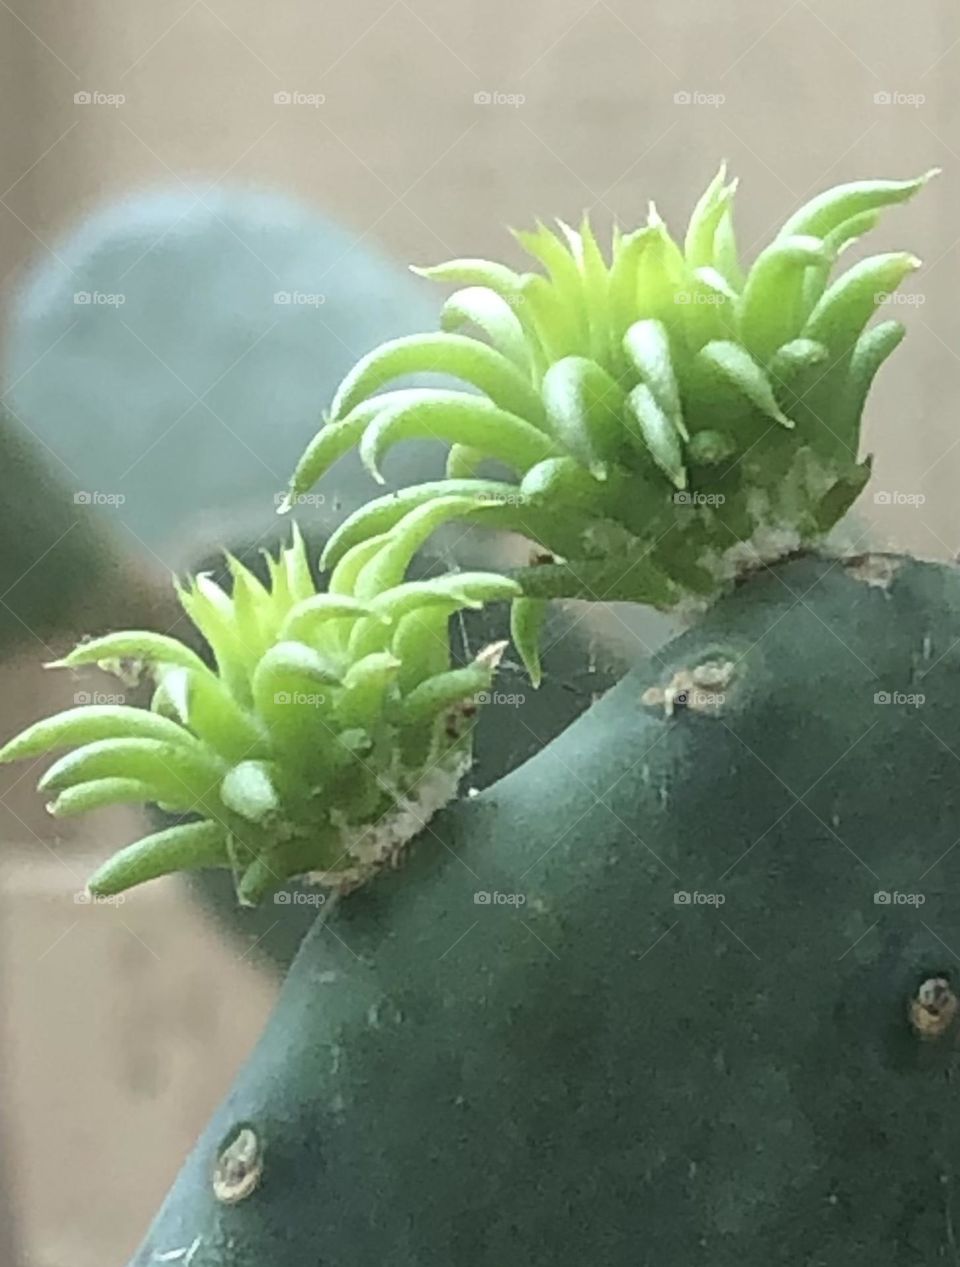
109,1078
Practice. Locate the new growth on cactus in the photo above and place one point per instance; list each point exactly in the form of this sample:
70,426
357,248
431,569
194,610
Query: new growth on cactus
330,729
664,413
665,416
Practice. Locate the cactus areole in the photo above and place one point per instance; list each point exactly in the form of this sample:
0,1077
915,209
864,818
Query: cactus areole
681,989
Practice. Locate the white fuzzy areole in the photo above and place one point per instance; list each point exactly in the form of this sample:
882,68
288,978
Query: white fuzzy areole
381,844
769,543
875,570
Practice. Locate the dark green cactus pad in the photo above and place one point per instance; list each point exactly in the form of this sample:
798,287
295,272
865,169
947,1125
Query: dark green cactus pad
59,561
605,1063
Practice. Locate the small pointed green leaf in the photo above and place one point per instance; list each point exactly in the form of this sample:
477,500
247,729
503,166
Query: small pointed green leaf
457,419
185,847
307,620
647,345
438,694
835,243
151,648
171,769
738,368
203,703
698,246
871,350
343,579
850,302
250,791
474,272
527,616
294,661
726,258
824,213
365,689
98,793
380,515
388,566
212,612
585,410
464,589
454,355
88,723
544,245
771,308
493,316
554,323
624,278
332,442
422,645
657,433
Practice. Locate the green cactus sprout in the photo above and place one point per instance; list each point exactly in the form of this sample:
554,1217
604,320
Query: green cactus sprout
664,413
331,728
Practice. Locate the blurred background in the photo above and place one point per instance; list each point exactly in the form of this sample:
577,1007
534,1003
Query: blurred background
205,209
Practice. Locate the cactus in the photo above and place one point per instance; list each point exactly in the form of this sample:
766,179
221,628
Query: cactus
578,666
59,563
602,1074
664,414
681,986
107,388
184,370
330,723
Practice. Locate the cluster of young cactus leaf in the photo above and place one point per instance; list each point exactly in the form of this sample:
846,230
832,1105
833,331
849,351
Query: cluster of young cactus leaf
658,417
329,729
664,414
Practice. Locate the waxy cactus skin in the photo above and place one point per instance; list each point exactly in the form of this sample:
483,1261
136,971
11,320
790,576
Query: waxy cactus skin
604,1073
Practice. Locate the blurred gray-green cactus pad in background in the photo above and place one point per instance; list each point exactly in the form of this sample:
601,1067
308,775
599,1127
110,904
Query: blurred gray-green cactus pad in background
177,351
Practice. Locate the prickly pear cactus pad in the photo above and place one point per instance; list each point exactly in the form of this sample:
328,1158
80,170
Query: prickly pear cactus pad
332,728
655,999
168,343
665,411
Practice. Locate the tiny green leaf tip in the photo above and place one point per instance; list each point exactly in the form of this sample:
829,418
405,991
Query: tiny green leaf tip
327,729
